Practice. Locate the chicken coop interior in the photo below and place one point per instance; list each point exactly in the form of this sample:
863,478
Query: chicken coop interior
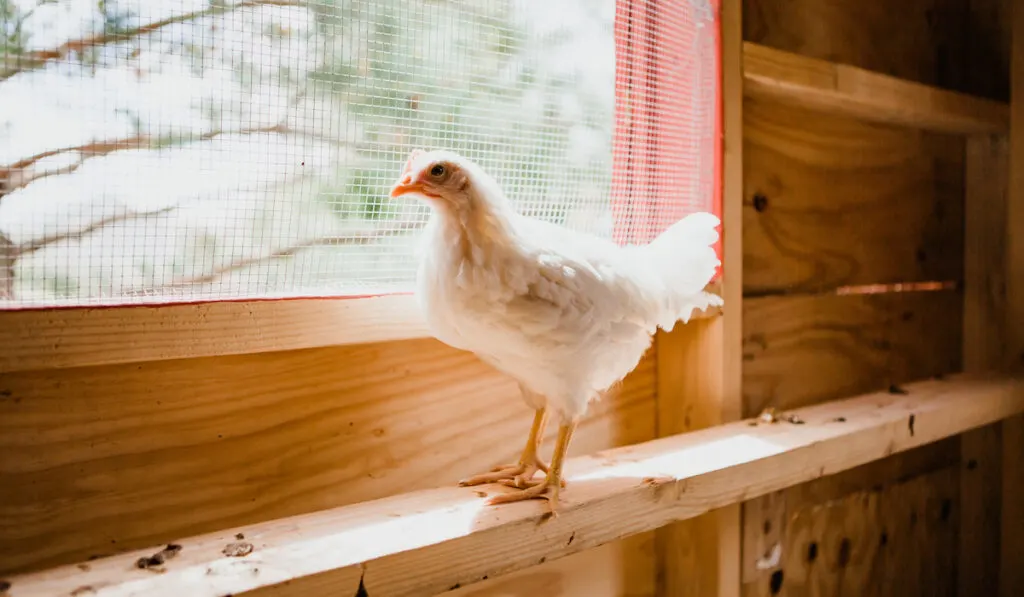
849,422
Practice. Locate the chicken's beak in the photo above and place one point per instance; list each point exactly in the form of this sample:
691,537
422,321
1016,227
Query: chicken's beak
404,186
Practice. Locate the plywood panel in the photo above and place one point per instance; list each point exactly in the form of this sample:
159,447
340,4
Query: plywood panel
920,40
988,54
101,459
831,201
895,540
765,538
802,350
620,569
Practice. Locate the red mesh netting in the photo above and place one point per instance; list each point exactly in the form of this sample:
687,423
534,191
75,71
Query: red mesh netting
667,150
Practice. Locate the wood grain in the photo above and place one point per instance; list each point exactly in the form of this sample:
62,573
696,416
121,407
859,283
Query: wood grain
917,40
988,24
831,202
801,350
845,90
75,337
689,397
102,459
1011,576
619,569
984,347
424,542
84,336
765,537
699,367
894,541
985,243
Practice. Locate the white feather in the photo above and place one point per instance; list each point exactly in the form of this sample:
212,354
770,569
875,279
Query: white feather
566,314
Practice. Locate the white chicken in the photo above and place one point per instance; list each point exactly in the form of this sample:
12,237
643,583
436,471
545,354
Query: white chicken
565,314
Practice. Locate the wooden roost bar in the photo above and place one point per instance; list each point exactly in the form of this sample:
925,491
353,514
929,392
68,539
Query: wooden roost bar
873,210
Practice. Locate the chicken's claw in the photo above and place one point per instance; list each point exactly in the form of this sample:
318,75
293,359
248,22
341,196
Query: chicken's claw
538,463
510,472
546,489
521,483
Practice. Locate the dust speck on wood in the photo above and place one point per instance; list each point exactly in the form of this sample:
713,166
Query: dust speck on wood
482,494
237,549
239,536
83,590
155,561
84,567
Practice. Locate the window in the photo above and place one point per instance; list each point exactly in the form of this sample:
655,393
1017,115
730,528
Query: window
185,150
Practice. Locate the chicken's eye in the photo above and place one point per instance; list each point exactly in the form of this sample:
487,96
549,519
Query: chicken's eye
437,171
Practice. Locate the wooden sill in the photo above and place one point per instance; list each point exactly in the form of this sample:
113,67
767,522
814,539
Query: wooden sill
427,542
852,91
82,336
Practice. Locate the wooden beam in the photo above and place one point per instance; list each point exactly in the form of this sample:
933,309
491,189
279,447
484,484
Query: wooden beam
699,365
1011,575
984,346
844,89
426,542
76,337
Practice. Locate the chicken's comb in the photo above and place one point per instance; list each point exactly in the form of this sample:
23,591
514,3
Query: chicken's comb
412,157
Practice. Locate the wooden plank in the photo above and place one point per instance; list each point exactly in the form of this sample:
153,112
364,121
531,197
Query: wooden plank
980,494
831,202
102,459
1011,569
989,27
800,350
689,397
985,243
768,537
56,338
699,368
428,541
850,91
984,344
918,40
76,337
621,569
885,541
803,349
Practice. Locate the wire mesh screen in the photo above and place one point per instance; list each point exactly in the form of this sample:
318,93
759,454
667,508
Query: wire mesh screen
183,150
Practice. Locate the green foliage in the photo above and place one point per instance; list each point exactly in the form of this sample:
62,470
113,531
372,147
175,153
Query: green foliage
454,75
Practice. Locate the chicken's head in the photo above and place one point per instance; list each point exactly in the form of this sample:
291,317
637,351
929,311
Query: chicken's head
448,181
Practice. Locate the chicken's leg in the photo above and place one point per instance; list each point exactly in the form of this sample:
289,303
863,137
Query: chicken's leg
548,487
529,463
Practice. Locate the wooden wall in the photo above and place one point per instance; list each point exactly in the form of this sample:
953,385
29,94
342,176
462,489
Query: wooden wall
149,452
832,203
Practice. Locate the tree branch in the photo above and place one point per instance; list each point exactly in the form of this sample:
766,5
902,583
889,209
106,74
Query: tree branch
14,176
40,58
361,237
35,245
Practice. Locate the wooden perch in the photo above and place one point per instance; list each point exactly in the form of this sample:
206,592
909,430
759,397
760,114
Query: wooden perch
427,542
860,93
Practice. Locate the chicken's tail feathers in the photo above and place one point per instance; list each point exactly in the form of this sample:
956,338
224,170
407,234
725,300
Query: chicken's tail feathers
684,258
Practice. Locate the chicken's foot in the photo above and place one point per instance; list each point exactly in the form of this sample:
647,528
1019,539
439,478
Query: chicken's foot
549,487
518,474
